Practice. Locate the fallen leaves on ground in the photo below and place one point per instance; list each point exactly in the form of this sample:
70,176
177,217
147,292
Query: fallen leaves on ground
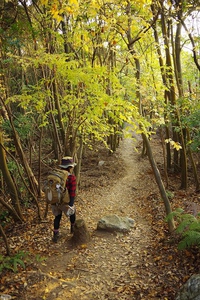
142,265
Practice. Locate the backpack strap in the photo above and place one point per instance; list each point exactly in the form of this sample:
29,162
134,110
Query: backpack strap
59,176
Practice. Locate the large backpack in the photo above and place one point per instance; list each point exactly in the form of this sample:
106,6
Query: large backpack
55,187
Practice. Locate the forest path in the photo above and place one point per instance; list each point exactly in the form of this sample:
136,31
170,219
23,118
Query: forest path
143,264
113,265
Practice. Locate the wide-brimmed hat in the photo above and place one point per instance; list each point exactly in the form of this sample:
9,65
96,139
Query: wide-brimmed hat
66,162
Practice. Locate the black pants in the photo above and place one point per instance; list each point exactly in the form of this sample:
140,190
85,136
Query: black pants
58,219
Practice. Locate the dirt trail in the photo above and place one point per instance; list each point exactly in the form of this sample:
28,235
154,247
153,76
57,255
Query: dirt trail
109,267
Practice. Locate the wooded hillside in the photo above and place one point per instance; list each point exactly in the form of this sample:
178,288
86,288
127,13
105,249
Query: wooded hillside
74,73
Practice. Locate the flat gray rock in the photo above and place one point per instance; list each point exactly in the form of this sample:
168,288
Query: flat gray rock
191,289
115,223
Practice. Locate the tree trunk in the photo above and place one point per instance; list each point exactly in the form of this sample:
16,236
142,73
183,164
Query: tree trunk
156,172
195,172
78,167
56,139
30,176
70,138
164,80
176,51
58,108
170,85
8,180
5,240
160,184
164,156
11,210
25,184
39,162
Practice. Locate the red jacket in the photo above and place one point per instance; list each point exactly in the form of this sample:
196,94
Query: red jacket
71,186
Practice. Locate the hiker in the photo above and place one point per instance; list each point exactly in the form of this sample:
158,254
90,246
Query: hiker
68,209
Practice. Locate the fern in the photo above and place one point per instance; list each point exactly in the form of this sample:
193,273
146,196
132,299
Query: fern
191,238
195,225
174,214
186,221
19,259
188,227
12,262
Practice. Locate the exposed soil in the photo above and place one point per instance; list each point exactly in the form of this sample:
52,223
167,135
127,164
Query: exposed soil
142,264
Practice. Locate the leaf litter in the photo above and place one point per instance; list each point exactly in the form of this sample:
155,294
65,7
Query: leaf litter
143,264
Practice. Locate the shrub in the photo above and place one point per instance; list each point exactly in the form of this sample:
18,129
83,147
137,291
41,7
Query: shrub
188,227
13,262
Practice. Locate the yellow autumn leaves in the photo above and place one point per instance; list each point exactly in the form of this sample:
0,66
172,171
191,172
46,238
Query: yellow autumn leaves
71,7
58,10
174,144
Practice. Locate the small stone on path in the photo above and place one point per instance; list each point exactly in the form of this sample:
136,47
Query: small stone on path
115,223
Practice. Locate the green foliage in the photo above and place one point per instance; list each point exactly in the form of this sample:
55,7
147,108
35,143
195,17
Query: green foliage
189,109
190,239
13,262
87,104
19,259
40,258
188,227
193,123
4,217
170,194
13,168
23,124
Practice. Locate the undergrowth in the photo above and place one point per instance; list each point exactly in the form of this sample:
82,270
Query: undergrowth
188,226
13,262
17,260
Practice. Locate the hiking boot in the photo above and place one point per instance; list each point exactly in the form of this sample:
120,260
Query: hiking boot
55,237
